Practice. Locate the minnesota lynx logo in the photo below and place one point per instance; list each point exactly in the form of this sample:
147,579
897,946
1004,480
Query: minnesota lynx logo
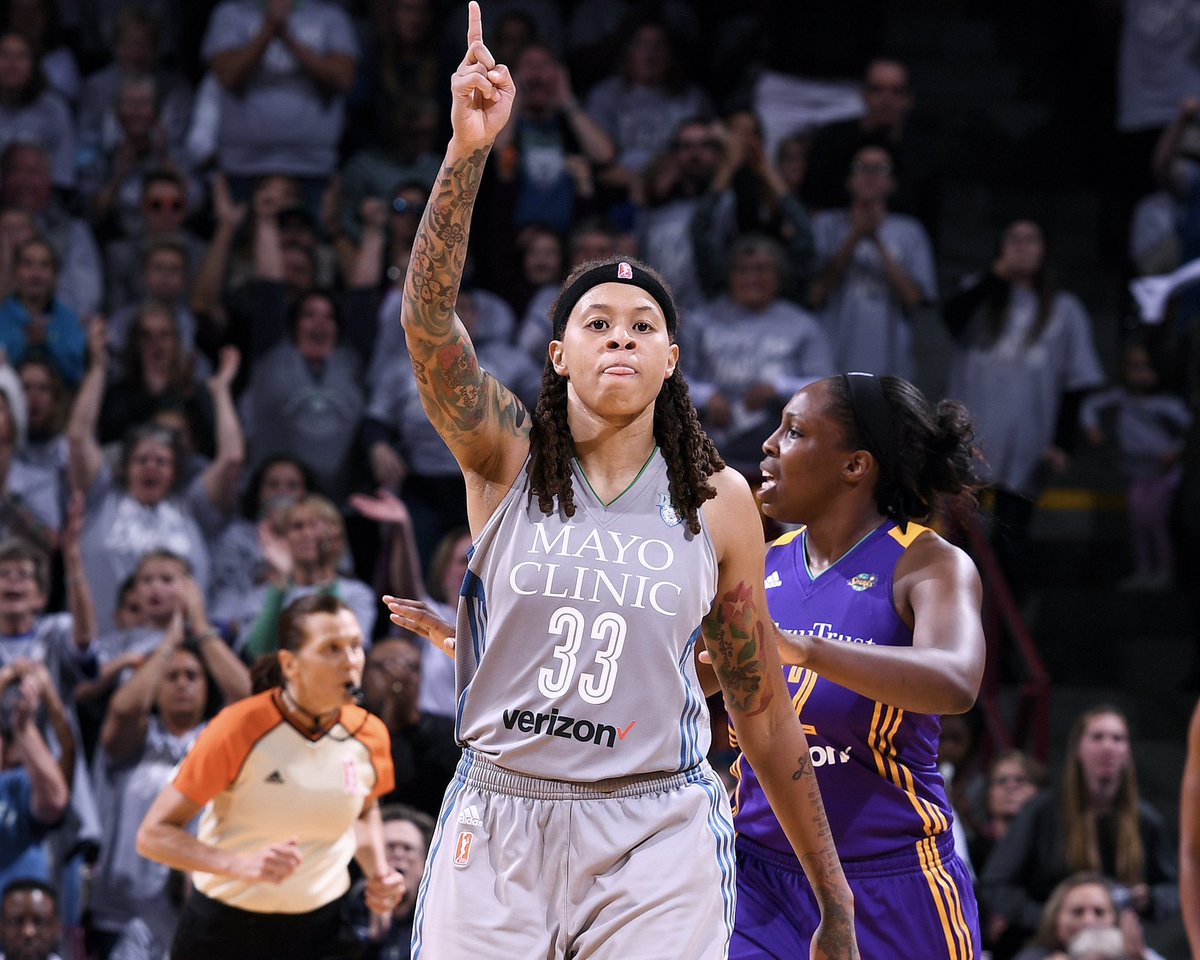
666,510
863,581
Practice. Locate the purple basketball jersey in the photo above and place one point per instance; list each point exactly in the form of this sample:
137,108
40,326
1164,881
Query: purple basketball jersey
876,764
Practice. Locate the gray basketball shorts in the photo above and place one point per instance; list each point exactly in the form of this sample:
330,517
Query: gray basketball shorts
632,868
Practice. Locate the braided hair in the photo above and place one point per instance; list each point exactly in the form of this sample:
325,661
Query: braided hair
690,455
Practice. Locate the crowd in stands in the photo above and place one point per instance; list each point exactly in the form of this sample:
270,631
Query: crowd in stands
206,408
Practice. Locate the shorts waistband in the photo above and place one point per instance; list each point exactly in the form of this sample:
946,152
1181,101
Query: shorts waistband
909,859
476,770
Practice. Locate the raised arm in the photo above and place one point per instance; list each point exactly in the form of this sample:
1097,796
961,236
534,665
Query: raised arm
84,455
741,640
221,476
79,591
939,593
49,790
481,421
128,716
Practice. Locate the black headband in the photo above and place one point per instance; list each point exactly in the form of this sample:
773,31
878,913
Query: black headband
872,414
613,271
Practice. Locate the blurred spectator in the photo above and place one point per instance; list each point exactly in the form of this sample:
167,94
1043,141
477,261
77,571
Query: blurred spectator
875,267
158,373
1150,426
136,50
1014,778
138,508
887,102
34,792
1093,820
592,238
1155,71
1023,360
162,211
162,583
1176,165
38,22
551,145
60,641
424,751
749,194
164,276
673,184
643,102
750,350
32,113
45,445
30,502
284,69
151,723
542,260
407,834
29,921
404,156
402,61
304,557
265,283
25,185
34,321
16,226
598,29
305,397
1085,901
113,182
240,568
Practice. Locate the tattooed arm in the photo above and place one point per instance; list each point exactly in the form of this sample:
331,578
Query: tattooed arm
482,422
741,639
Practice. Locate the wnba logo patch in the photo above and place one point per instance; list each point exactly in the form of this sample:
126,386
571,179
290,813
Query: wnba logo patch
462,848
666,510
863,581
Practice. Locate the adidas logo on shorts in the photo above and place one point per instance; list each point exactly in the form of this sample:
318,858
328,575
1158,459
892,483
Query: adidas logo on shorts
470,816
273,777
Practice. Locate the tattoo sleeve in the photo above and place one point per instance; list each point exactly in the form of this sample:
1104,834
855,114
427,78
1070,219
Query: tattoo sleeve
457,393
735,635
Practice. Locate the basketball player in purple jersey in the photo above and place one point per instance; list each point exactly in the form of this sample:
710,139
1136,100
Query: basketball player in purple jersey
881,624
608,540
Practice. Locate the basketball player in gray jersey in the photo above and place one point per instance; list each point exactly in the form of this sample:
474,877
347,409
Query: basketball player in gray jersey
609,541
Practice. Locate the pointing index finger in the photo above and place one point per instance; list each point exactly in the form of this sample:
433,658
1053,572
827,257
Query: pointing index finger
474,23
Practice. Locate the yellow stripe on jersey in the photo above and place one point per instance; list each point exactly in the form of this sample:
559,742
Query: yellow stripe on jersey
807,685
948,900
736,769
885,724
906,539
787,538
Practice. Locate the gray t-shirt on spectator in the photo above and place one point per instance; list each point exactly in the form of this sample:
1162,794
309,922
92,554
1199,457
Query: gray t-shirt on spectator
282,122
126,884
868,325
119,530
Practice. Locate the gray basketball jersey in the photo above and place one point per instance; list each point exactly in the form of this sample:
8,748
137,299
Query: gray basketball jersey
576,635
